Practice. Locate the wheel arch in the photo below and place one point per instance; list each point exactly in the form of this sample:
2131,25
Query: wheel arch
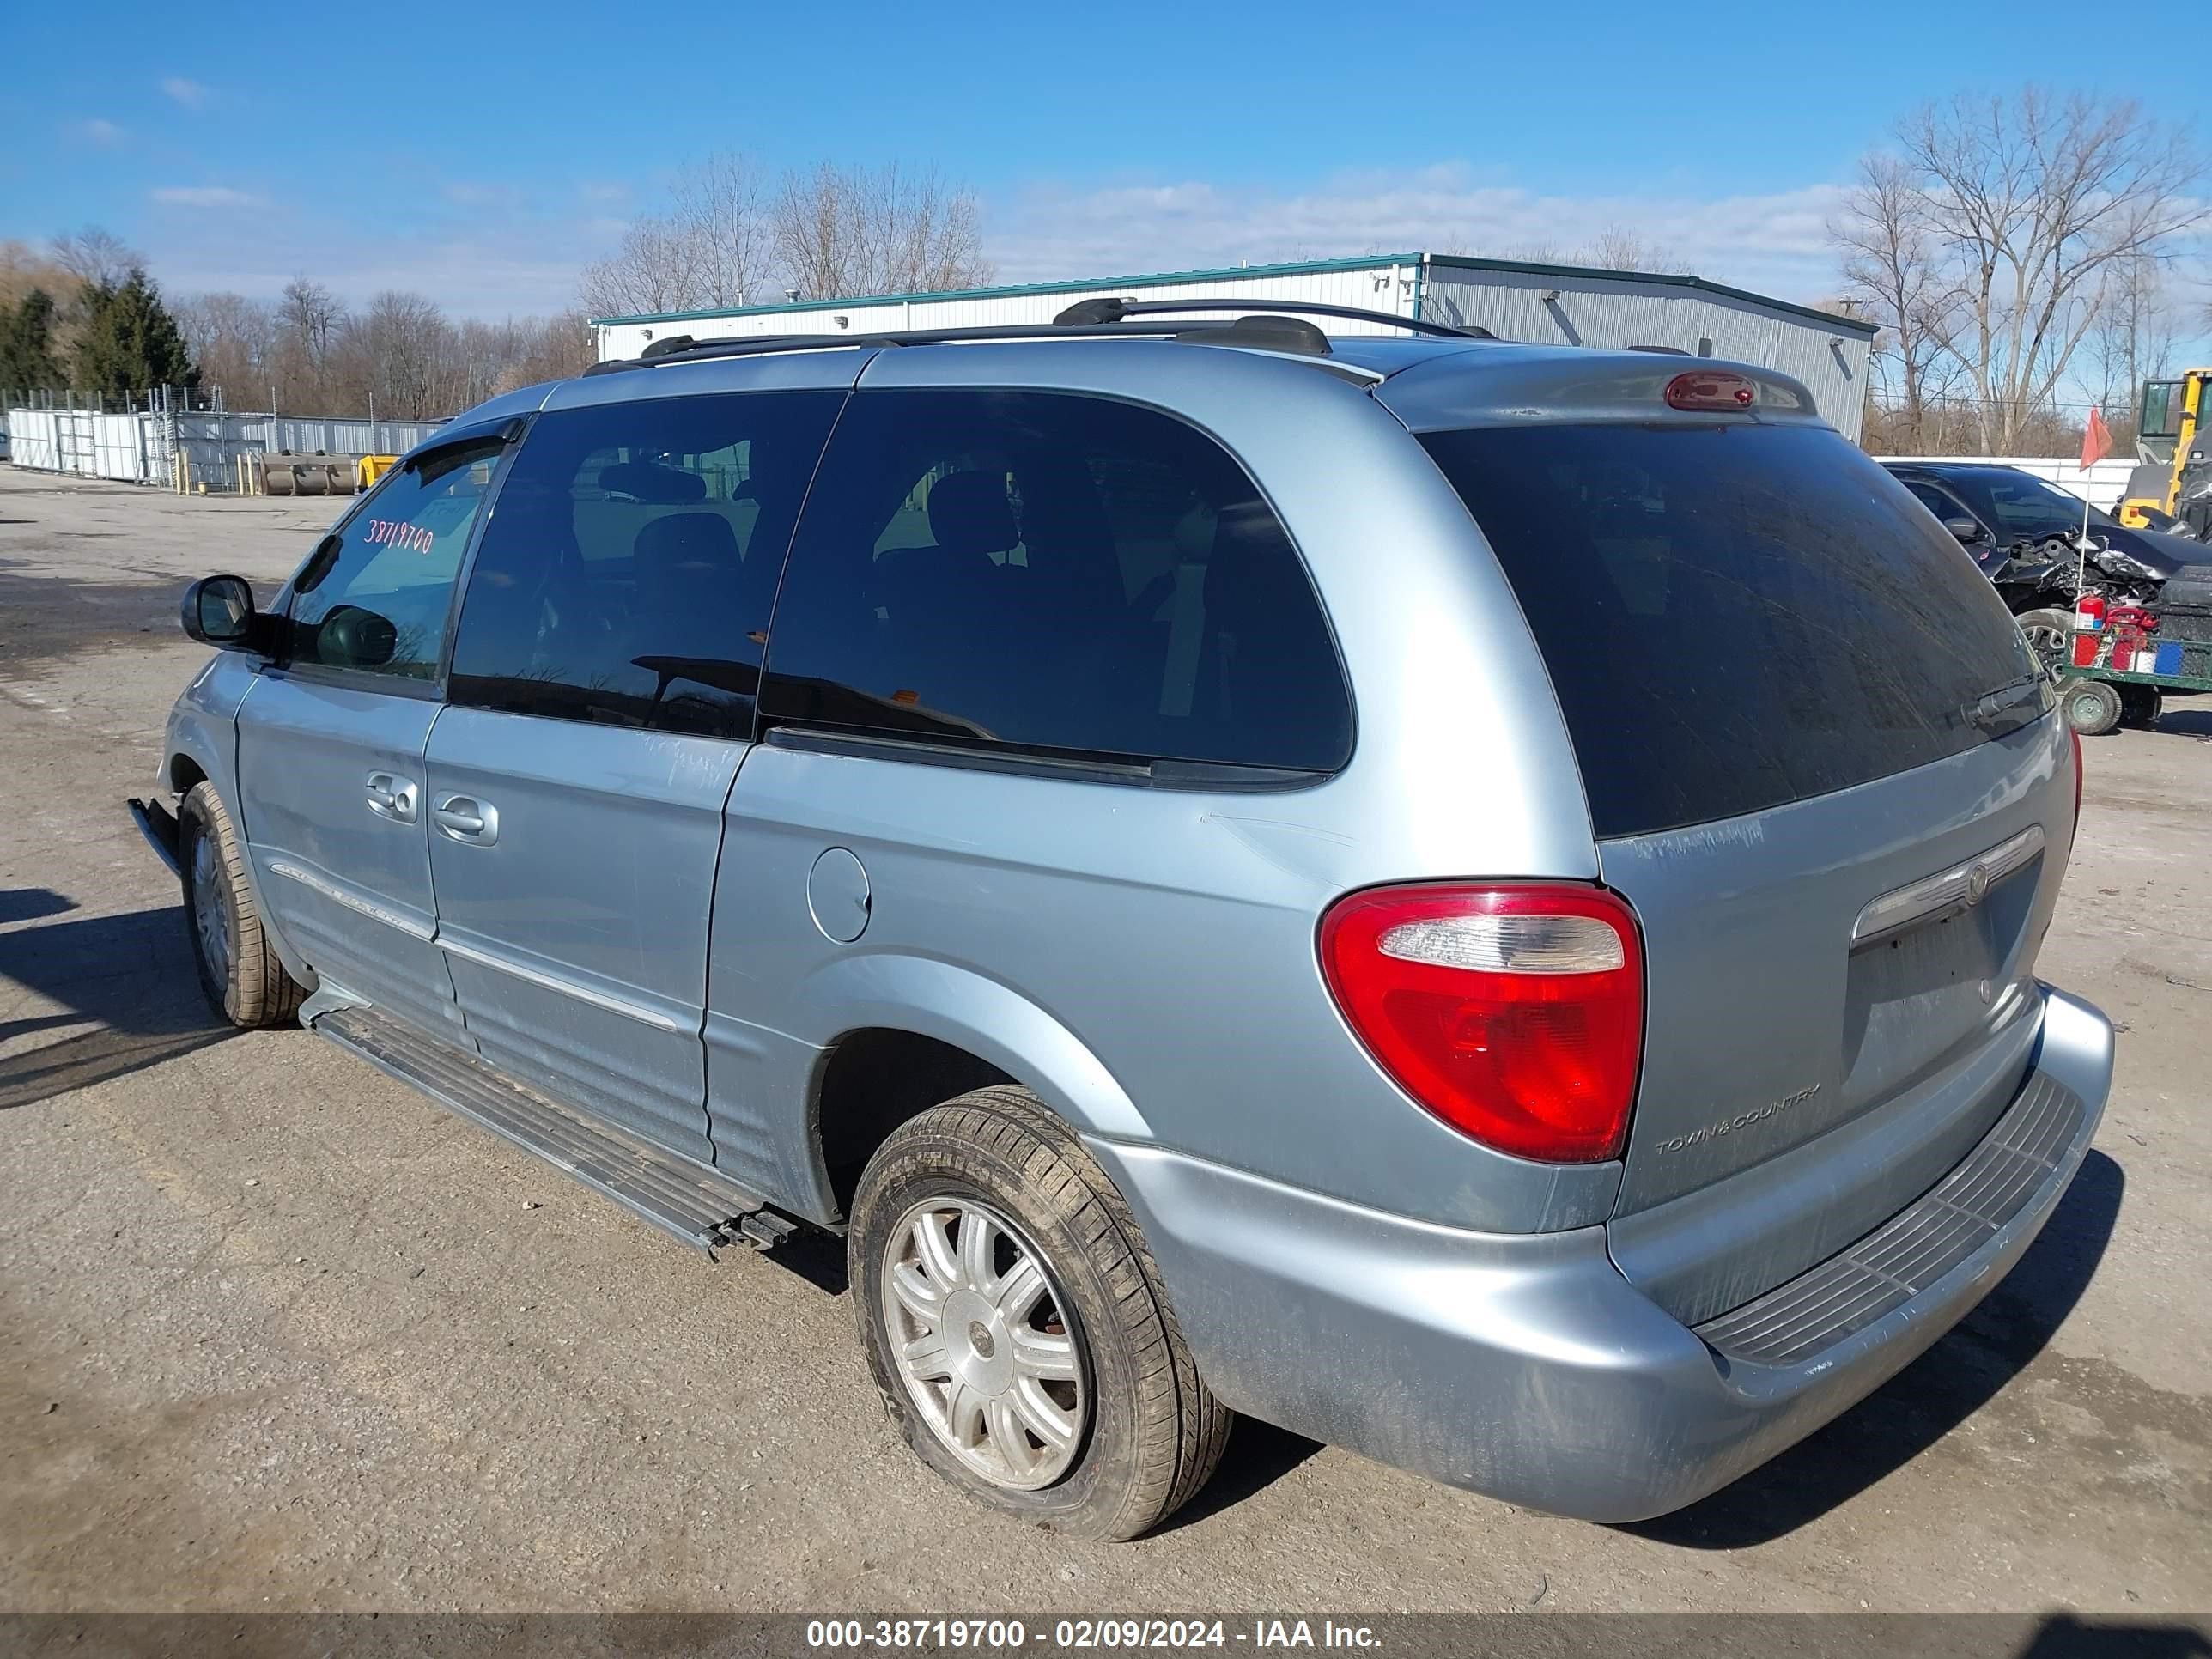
906,1029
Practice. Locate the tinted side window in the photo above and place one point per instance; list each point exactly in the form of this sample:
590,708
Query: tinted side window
627,574
1936,501
375,594
1054,571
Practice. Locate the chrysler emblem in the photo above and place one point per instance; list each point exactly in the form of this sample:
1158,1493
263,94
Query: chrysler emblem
1977,884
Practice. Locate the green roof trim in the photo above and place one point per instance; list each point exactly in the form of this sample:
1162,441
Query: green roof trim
1666,278
1422,262
1158,279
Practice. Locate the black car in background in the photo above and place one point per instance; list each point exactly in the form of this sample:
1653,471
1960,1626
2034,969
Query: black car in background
2025,534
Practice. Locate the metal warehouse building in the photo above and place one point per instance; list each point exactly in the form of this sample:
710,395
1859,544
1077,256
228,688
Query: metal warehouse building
1559,305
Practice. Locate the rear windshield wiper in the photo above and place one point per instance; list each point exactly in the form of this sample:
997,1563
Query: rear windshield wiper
1997,701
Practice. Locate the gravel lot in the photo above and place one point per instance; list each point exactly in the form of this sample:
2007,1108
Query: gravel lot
276,1333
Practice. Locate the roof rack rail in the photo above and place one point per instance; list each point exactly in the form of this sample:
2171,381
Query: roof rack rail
1266,327
682,347
1112,310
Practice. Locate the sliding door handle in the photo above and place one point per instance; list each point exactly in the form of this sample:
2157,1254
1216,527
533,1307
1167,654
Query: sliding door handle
464,817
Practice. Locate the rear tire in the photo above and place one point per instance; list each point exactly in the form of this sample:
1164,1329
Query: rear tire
1092,1353
239,973
2092,706
2141,706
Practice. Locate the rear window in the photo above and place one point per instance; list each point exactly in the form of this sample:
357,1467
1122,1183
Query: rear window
1735,616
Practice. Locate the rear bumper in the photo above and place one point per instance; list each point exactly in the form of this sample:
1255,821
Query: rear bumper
1525,1366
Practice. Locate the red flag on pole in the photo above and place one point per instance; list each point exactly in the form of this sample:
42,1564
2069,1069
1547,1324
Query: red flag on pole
2097,441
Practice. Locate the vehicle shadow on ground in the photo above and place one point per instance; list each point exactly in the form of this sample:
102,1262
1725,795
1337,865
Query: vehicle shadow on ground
30,903
1259,1454
1926,1400
129,978
2192,721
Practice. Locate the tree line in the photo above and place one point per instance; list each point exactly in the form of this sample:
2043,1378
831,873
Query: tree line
84,320
2018,251
87,316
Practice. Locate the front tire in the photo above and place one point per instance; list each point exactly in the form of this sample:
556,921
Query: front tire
239,973
1016,1325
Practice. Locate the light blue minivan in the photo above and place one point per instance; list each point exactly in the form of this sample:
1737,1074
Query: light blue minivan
1477,903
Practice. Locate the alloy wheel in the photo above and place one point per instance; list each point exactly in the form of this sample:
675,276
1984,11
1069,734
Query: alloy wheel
211,917
982,1341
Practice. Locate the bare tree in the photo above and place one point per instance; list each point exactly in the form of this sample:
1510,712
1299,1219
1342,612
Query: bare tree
400,357
1907,279
233,340
1619,248
848,231
22,269
726,239
2136,330
723,206
310,313
307,319
97,258
650,272
713,247
2038,200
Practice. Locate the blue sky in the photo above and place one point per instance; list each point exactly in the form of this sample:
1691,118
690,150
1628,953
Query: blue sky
484,154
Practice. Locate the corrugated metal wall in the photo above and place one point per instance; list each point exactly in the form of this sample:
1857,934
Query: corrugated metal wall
1538,304
1561,308
141,448
1383,286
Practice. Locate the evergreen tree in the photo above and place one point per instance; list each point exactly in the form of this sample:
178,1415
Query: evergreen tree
129,340
26,343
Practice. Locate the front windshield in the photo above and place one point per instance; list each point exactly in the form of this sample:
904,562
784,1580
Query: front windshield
2019,505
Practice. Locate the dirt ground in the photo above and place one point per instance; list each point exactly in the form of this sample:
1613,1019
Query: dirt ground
277,1332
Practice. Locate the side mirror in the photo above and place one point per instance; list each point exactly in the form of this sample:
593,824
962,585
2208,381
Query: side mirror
1964,530
218,610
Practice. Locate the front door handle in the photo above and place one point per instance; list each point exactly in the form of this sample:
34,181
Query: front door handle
390,796
464,817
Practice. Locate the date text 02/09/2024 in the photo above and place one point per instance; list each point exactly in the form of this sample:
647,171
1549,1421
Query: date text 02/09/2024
1078,1635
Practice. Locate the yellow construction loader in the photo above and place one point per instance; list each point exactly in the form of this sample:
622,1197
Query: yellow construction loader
2171,487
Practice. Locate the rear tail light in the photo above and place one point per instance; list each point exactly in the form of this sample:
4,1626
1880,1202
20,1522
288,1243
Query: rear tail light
1515,1014
1707,388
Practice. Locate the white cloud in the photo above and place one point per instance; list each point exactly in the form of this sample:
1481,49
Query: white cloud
504,257
190,94
461,193
207,196
104,133
1776,243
